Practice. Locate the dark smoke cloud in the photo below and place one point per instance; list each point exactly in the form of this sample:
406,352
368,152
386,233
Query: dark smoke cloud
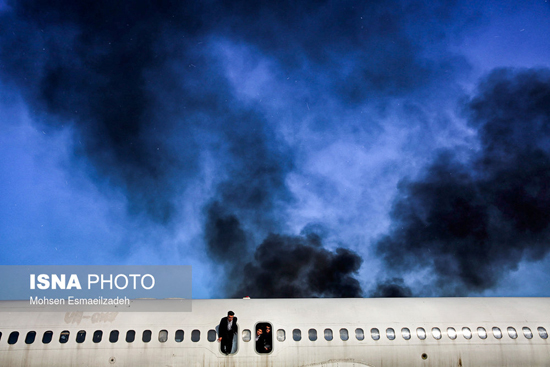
144,89
299,266
249,204
350,51
511,113
226,240
256,189
394,287
282,266
227,244
106,69
464,225
86,63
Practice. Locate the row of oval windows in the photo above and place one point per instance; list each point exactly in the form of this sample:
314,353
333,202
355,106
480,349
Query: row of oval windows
281,335
453,334
113,336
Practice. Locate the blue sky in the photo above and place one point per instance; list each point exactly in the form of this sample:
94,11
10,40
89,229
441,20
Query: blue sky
287,149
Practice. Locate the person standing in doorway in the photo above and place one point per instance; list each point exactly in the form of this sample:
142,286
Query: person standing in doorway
226,332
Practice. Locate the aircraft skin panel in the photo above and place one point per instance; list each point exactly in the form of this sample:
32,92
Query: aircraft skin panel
394,356
287,315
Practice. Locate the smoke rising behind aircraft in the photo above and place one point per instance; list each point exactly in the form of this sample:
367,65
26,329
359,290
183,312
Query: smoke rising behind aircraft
473,221
340,139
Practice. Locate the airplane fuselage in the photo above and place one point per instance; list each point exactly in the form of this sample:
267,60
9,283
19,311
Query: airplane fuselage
305,332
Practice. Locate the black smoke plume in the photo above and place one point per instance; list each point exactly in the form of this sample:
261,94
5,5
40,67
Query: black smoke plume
389,288
225,238
99,66
282,266
465,224
385,61
108,69
142,86
299,266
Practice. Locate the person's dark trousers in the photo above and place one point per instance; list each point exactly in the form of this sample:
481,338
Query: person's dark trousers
227,344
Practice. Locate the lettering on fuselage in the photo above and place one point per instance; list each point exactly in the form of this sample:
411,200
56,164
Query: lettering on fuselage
96,317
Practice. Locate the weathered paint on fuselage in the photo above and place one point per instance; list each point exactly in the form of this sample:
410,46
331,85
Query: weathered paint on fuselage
287,315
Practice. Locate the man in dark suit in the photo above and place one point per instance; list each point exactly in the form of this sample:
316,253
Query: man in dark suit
260,341
226,331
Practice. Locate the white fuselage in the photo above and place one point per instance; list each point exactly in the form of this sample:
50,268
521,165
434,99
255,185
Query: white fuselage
446,322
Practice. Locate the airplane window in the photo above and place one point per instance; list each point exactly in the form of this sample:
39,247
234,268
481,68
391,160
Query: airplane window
113,337
436,333
13,337
130,336
512,332
406,333
146,336
179,336
359,334
481,332
98,334
246,335
542,332
195,335
81,336
467,333
344,335
451,332
328,334
47,337
497,333
163,336
0,335
375,334
211,336
281,335
64,336
421,333
263,337
527,332
390,333
31,335
312,333
296,335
